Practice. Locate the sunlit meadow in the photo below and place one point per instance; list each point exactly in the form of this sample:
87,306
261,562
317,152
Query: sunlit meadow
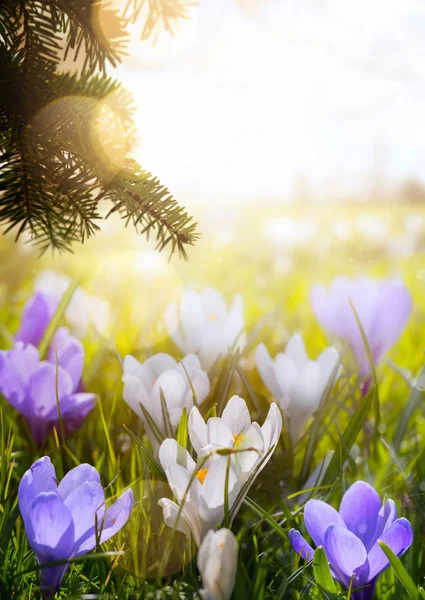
358,423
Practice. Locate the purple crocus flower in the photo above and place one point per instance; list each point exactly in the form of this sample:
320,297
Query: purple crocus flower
350,536
32,386
67,520
383,307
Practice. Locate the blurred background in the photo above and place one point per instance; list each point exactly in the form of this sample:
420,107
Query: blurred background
293,133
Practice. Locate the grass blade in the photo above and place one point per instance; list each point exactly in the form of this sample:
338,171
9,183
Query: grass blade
57,319
401,572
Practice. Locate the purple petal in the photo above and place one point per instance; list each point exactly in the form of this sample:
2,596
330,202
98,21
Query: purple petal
50,533
75,408
49,528
70,354
40,477
84,473
36,316
391,316
359,510
317,516
114,519
398,537
300,545
386,517
43,385
84,503
16,367
345,552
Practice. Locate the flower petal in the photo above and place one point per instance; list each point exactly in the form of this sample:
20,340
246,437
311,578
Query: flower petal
70,354
84,503
171,453
386,517
359,510
295,350
36,315
300,545
49,527
83,473
219,434
201,386
198,432
113,520
173,387
236,415
170,511
318,515
399,536
265,367
345,552
392,313
16,367
171,320
40,477
43,385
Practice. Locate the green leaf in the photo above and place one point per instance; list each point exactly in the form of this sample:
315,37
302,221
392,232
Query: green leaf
372,366
263,514
415,400
182,431
349,437
401,572
57,319
322,572
148,455
165,415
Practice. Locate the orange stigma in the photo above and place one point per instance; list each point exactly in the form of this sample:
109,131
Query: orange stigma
201,474
238,437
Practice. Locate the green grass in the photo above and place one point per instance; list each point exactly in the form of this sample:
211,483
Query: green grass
274,281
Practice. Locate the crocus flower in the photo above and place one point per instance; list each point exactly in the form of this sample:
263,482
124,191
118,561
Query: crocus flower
217,562
350,536
296,382
67,520
199,490
143,382
234,430
383,308
34,387
203,325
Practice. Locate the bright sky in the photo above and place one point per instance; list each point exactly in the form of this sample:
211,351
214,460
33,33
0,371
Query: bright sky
252,94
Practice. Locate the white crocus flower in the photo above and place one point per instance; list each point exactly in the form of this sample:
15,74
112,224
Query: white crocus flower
234,430
202,324
217,562
296,382
143,383
200,490
84,310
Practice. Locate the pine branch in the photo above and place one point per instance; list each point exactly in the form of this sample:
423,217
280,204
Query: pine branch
141,199
65,138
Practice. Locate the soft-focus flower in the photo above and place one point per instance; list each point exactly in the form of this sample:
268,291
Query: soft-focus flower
67,520
143,382
203,325
350,536
83,311
234,430
200,491
34,387
383,308
217,562
296,382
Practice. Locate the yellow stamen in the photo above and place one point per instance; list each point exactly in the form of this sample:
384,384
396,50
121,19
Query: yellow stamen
201,474
221,545
212,316
238,437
